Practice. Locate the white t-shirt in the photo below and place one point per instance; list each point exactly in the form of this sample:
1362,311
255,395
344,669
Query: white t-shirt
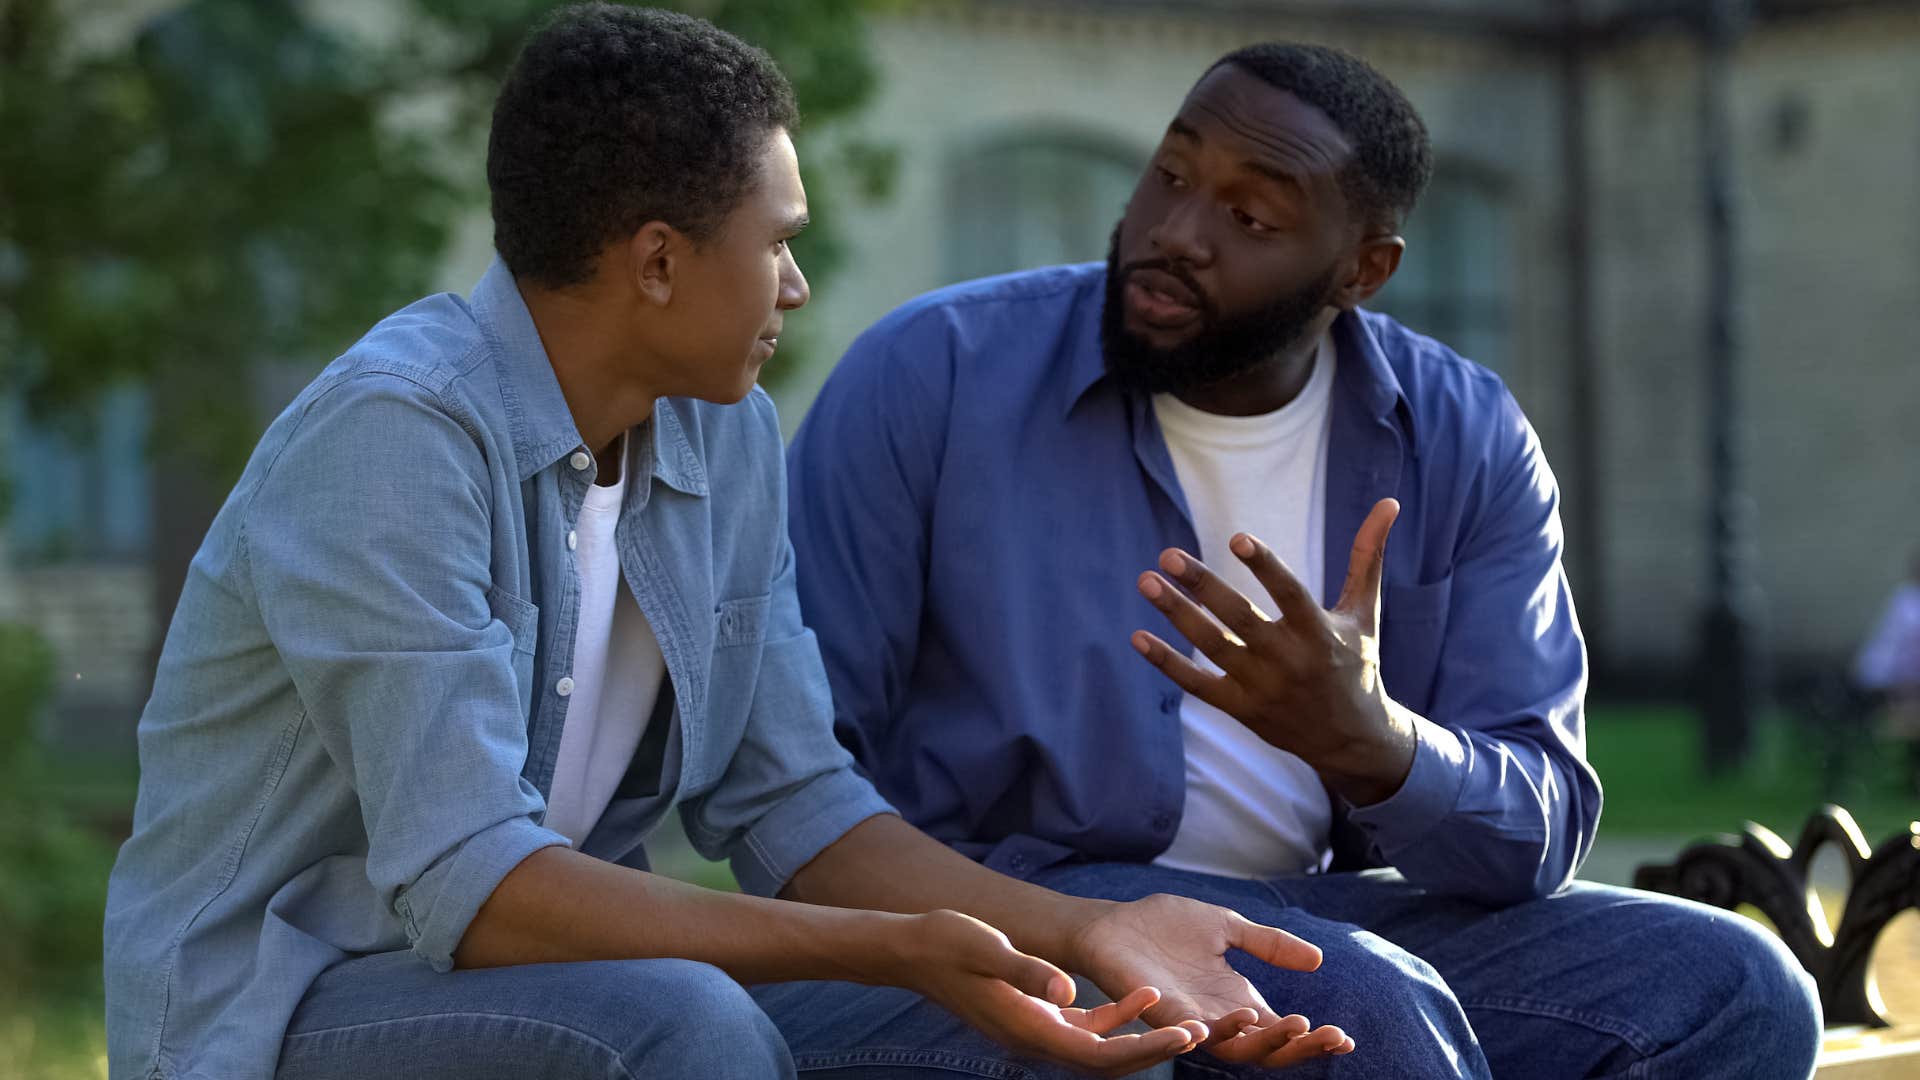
1252,811
617,670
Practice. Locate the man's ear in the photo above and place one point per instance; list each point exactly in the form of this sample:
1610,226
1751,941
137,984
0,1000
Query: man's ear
653,261
1378,258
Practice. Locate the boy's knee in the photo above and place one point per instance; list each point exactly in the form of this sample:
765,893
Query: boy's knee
697,1022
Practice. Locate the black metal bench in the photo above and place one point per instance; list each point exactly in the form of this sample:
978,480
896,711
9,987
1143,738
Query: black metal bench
1759,868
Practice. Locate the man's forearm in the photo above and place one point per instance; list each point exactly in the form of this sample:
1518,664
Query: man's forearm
887,865
559,905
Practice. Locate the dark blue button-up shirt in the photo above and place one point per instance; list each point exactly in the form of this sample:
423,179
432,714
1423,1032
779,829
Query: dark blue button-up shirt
972,502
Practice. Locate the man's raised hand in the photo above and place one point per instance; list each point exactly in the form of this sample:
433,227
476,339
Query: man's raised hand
1307,682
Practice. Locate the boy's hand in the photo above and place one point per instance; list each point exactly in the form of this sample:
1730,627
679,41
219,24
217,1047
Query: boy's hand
1023,1002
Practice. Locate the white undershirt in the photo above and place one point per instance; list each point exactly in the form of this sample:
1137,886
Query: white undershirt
617,671
1252,811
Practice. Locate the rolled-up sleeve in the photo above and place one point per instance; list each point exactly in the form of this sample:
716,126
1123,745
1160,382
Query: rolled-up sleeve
790,789
368,542
1501,804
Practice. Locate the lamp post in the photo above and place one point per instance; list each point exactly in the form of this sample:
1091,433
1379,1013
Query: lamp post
1725,670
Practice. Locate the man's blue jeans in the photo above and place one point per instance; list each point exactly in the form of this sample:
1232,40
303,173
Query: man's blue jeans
1595,981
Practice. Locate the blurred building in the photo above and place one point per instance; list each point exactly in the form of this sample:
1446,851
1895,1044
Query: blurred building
1563,244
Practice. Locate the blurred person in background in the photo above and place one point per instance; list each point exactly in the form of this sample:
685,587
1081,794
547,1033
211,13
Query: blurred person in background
507,583
1887,670
977,496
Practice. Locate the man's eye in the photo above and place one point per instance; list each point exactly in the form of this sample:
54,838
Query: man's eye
1168,178
1250,222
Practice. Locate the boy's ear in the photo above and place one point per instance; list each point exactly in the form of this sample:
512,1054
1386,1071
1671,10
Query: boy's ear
653,259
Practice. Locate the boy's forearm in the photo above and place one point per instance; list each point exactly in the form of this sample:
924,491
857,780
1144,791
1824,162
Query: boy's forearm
885,864
559,905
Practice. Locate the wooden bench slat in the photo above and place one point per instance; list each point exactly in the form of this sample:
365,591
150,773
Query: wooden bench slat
1858,1053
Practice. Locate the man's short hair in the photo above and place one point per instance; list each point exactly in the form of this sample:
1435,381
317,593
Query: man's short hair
615,116
1392,154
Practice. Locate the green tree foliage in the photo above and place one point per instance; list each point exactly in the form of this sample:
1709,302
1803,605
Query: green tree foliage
52,871
245,180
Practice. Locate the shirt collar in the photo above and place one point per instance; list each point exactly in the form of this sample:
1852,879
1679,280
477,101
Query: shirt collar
1087,365
1366,373
675,462
543,428
1364,368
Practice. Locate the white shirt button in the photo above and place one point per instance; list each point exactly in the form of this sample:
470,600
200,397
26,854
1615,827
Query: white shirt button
573,539
564,686
579,460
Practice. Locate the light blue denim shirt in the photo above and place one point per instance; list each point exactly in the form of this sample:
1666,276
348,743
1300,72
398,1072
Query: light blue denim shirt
355,719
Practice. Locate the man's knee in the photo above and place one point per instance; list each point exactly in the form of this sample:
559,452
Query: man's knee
1770,1005
691,1019
1711,987
1401,1014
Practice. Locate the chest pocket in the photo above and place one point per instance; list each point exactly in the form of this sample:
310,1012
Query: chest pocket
1413,626
523,622
521,617
739,631
741,622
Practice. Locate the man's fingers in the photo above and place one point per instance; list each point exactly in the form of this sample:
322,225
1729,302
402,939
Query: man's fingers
1216,690
1224,646
1258,1044
1298,607
1226,1027
1276,947
1365,567
1235,611
1318,1043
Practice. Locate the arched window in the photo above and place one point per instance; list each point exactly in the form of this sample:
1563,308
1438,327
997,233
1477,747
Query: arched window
1455,283
1033,199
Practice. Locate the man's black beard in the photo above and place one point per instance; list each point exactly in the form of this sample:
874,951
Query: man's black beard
1224,347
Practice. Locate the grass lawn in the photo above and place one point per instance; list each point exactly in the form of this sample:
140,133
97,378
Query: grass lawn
1646,757
53,1037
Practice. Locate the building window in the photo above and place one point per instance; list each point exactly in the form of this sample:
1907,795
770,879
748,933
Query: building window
1035,199
1455,282
79,486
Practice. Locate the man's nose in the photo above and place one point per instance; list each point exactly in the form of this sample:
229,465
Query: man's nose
1179,238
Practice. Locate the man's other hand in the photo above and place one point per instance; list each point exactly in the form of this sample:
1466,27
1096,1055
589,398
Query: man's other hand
1179,945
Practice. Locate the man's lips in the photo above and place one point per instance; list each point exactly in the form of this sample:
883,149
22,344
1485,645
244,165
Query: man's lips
1174,290
1160,299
